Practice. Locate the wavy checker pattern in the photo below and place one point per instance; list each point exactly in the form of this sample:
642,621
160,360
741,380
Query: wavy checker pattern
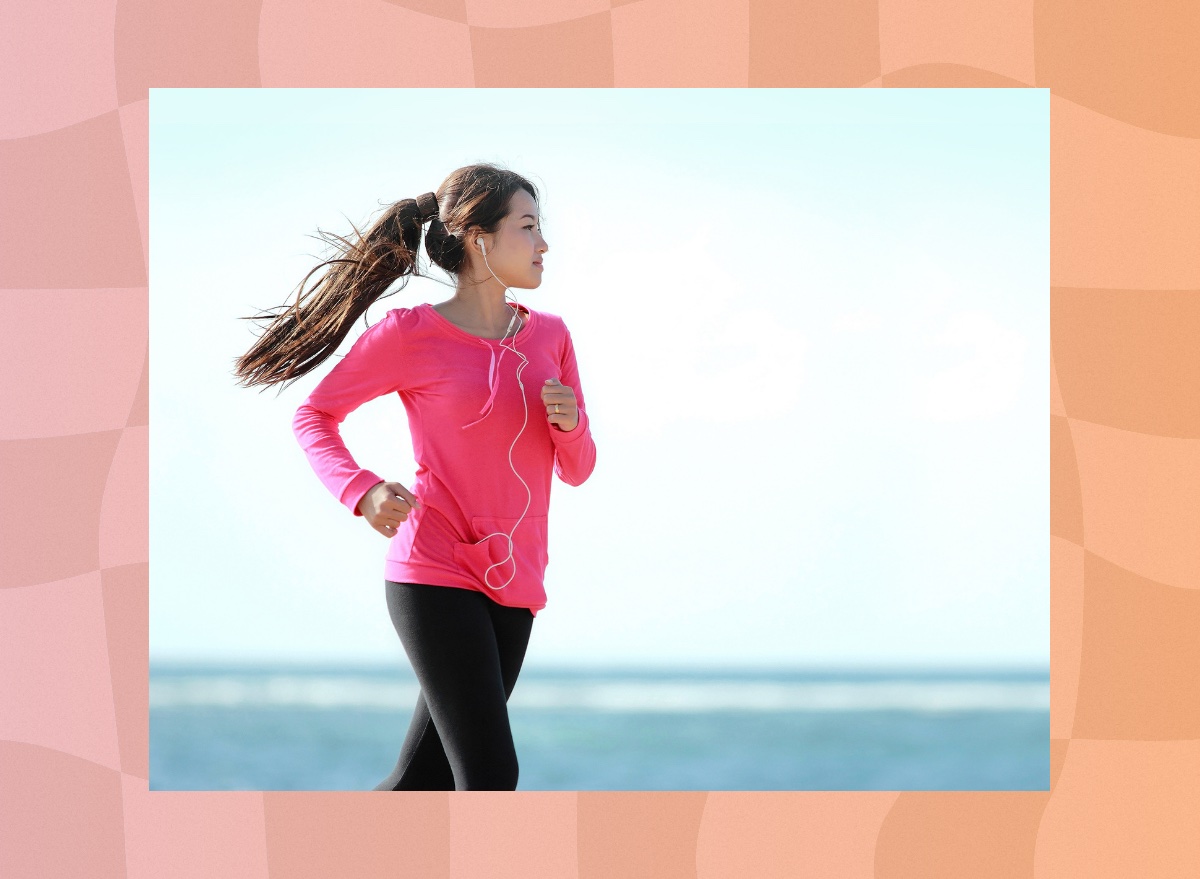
1124,429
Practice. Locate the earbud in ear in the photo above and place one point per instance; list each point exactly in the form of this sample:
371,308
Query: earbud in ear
479,241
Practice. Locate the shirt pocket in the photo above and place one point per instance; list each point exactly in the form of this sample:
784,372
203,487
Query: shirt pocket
489,560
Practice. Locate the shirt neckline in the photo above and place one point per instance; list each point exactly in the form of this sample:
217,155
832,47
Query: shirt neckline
458,332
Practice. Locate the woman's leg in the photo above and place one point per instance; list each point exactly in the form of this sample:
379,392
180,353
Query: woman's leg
422,764
467,652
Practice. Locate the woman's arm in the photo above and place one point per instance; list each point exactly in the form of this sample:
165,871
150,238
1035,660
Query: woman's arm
369,370
575,450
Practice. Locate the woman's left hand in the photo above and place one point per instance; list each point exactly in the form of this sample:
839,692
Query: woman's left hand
562,410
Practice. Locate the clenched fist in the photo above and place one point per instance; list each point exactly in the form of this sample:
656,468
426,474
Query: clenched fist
386,505
562,410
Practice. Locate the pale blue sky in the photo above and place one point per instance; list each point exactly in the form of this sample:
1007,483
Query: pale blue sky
812,329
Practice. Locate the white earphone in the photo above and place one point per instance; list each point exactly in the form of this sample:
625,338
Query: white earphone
494,370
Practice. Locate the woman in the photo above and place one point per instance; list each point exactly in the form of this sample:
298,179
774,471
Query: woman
494,406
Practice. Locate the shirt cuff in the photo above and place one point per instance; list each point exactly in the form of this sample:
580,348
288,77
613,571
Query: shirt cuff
356,488
570,436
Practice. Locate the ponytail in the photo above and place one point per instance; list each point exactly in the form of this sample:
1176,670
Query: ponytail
303,335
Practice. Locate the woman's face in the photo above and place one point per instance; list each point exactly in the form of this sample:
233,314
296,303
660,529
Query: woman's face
514,251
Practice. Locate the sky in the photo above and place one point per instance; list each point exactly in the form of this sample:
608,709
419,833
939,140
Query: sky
812,328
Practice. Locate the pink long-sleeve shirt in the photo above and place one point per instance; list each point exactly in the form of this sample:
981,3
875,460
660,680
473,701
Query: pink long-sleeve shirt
464,411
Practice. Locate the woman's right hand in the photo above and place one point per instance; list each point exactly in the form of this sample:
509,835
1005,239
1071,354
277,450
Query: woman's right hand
386,505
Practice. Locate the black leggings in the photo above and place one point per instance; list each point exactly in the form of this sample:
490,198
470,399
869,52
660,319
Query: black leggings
466,651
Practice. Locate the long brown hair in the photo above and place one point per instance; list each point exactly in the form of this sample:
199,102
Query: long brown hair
302,335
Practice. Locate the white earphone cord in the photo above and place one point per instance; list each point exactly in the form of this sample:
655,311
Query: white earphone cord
525,402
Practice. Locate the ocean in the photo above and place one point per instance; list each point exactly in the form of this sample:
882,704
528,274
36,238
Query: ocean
340,727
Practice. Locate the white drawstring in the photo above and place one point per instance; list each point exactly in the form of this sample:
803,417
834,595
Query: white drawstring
493,385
